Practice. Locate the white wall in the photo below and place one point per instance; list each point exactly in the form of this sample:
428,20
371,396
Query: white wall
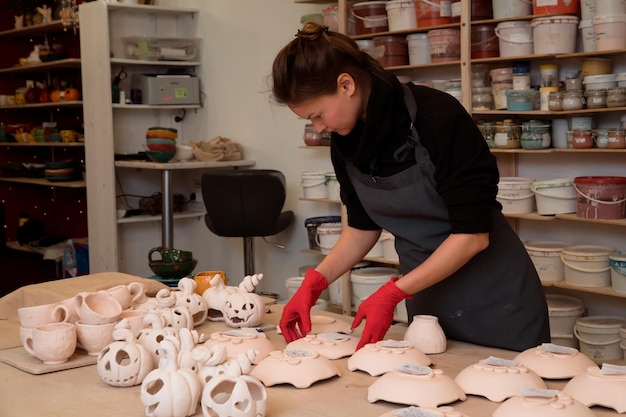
240,40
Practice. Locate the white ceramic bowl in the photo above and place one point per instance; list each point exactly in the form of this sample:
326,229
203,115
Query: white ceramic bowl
183,152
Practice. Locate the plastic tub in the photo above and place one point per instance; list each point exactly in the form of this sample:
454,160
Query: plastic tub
503,9
370,17
515,196
617,261
588,35
556,7
546,256
401,15
445,45
314,185
520,100
485,43
366,281
327,235
607,7
600,81
555,196
395,50
330,15
312,223
555,34
610,31
433,12
563,312
600,197
620,77
515,38
600,337
587,265
596,66
419,49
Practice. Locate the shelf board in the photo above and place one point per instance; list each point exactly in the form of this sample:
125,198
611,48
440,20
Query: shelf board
45,182
320,200
54,26
50,105
184,165
556,150
157,218
595,290
314,147
603,110
43,67
150,9
564,216
433,65
152,63
406,32
44,144
117,106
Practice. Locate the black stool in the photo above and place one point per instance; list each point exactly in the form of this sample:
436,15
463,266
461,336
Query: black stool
245,203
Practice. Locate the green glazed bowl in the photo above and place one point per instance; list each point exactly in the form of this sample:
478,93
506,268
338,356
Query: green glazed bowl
173,270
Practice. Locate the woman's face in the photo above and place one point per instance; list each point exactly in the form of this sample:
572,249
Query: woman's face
338,112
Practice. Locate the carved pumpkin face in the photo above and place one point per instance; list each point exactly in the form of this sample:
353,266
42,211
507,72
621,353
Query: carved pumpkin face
195,303
124,364
244,309
242,396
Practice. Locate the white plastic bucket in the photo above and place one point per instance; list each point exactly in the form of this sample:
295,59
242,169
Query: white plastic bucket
603,7
376,251
389,246
600,81
587,9
599,337
515,38
588,35
563,311
293,284
330,15
366,281
419,49
617,261
314,185
511,8
546,256
515,195
401,15
555,34
555,196
587,265
332,186
610,31
327,235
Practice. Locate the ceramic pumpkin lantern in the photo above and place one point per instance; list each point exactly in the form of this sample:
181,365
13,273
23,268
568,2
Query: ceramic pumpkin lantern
242,396
245,308
215,297
124,363
170,391
156,331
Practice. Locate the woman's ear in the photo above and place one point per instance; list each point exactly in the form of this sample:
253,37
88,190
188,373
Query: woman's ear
345,84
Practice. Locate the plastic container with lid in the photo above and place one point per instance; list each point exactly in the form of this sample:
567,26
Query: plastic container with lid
563,311
554,196
366,281
515,38
418,48
573,82
401,15
610,31
501,75
620,77
587,265
521,75
594,82
535,135
549,75
520,100
596,66
445,45
330,15
485,43
617,261
370,17
433,12
554,34
601,197
482,99
546,256
395,50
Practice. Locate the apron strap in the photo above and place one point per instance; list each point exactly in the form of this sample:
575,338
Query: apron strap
403,151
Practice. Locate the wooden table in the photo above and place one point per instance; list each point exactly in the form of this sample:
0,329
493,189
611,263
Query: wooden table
79,392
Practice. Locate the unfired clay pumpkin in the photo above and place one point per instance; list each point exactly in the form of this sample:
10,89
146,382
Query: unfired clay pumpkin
187,297
216,295
241,396
124,363
245,308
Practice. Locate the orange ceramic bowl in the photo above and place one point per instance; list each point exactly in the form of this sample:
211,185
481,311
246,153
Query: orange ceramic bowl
203,279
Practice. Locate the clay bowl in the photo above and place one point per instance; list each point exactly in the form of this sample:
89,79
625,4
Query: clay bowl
173,270
161,156
163,147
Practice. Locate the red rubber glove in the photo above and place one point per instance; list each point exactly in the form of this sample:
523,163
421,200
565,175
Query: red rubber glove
297,312
377,309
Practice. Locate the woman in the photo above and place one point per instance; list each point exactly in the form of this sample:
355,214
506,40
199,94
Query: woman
410,160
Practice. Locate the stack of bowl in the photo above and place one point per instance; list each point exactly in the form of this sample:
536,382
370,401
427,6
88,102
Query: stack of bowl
161,143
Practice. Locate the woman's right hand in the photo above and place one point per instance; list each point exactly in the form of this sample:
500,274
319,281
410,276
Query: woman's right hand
296,319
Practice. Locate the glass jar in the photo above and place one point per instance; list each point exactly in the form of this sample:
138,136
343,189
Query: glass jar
535,135
573,82
507,135
482,99
555,101
615,139
601,138
582,139
573,100
596,99
616,97
311,137
488,131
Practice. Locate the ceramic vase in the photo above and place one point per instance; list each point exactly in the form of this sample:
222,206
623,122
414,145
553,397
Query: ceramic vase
426,334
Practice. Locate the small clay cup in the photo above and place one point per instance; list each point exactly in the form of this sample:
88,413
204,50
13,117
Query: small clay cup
128,294
94,337
52,343
99,308
31,317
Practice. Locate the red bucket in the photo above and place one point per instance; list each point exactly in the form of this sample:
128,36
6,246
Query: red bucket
600,197
561,7
485,42
433,12
370,17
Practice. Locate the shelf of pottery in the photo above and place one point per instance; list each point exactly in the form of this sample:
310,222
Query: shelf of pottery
41,126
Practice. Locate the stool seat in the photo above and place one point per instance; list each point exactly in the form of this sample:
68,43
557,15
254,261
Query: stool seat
245,203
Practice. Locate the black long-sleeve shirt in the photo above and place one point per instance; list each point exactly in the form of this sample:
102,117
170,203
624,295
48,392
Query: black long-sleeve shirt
466,173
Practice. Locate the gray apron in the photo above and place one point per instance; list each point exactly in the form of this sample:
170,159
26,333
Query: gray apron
496,299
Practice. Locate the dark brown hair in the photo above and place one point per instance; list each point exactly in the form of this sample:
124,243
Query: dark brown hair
308,66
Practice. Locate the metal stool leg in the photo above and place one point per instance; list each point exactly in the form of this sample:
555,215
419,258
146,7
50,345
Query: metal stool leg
248,255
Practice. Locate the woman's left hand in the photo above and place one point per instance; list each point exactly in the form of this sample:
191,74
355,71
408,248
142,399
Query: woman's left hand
377,310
